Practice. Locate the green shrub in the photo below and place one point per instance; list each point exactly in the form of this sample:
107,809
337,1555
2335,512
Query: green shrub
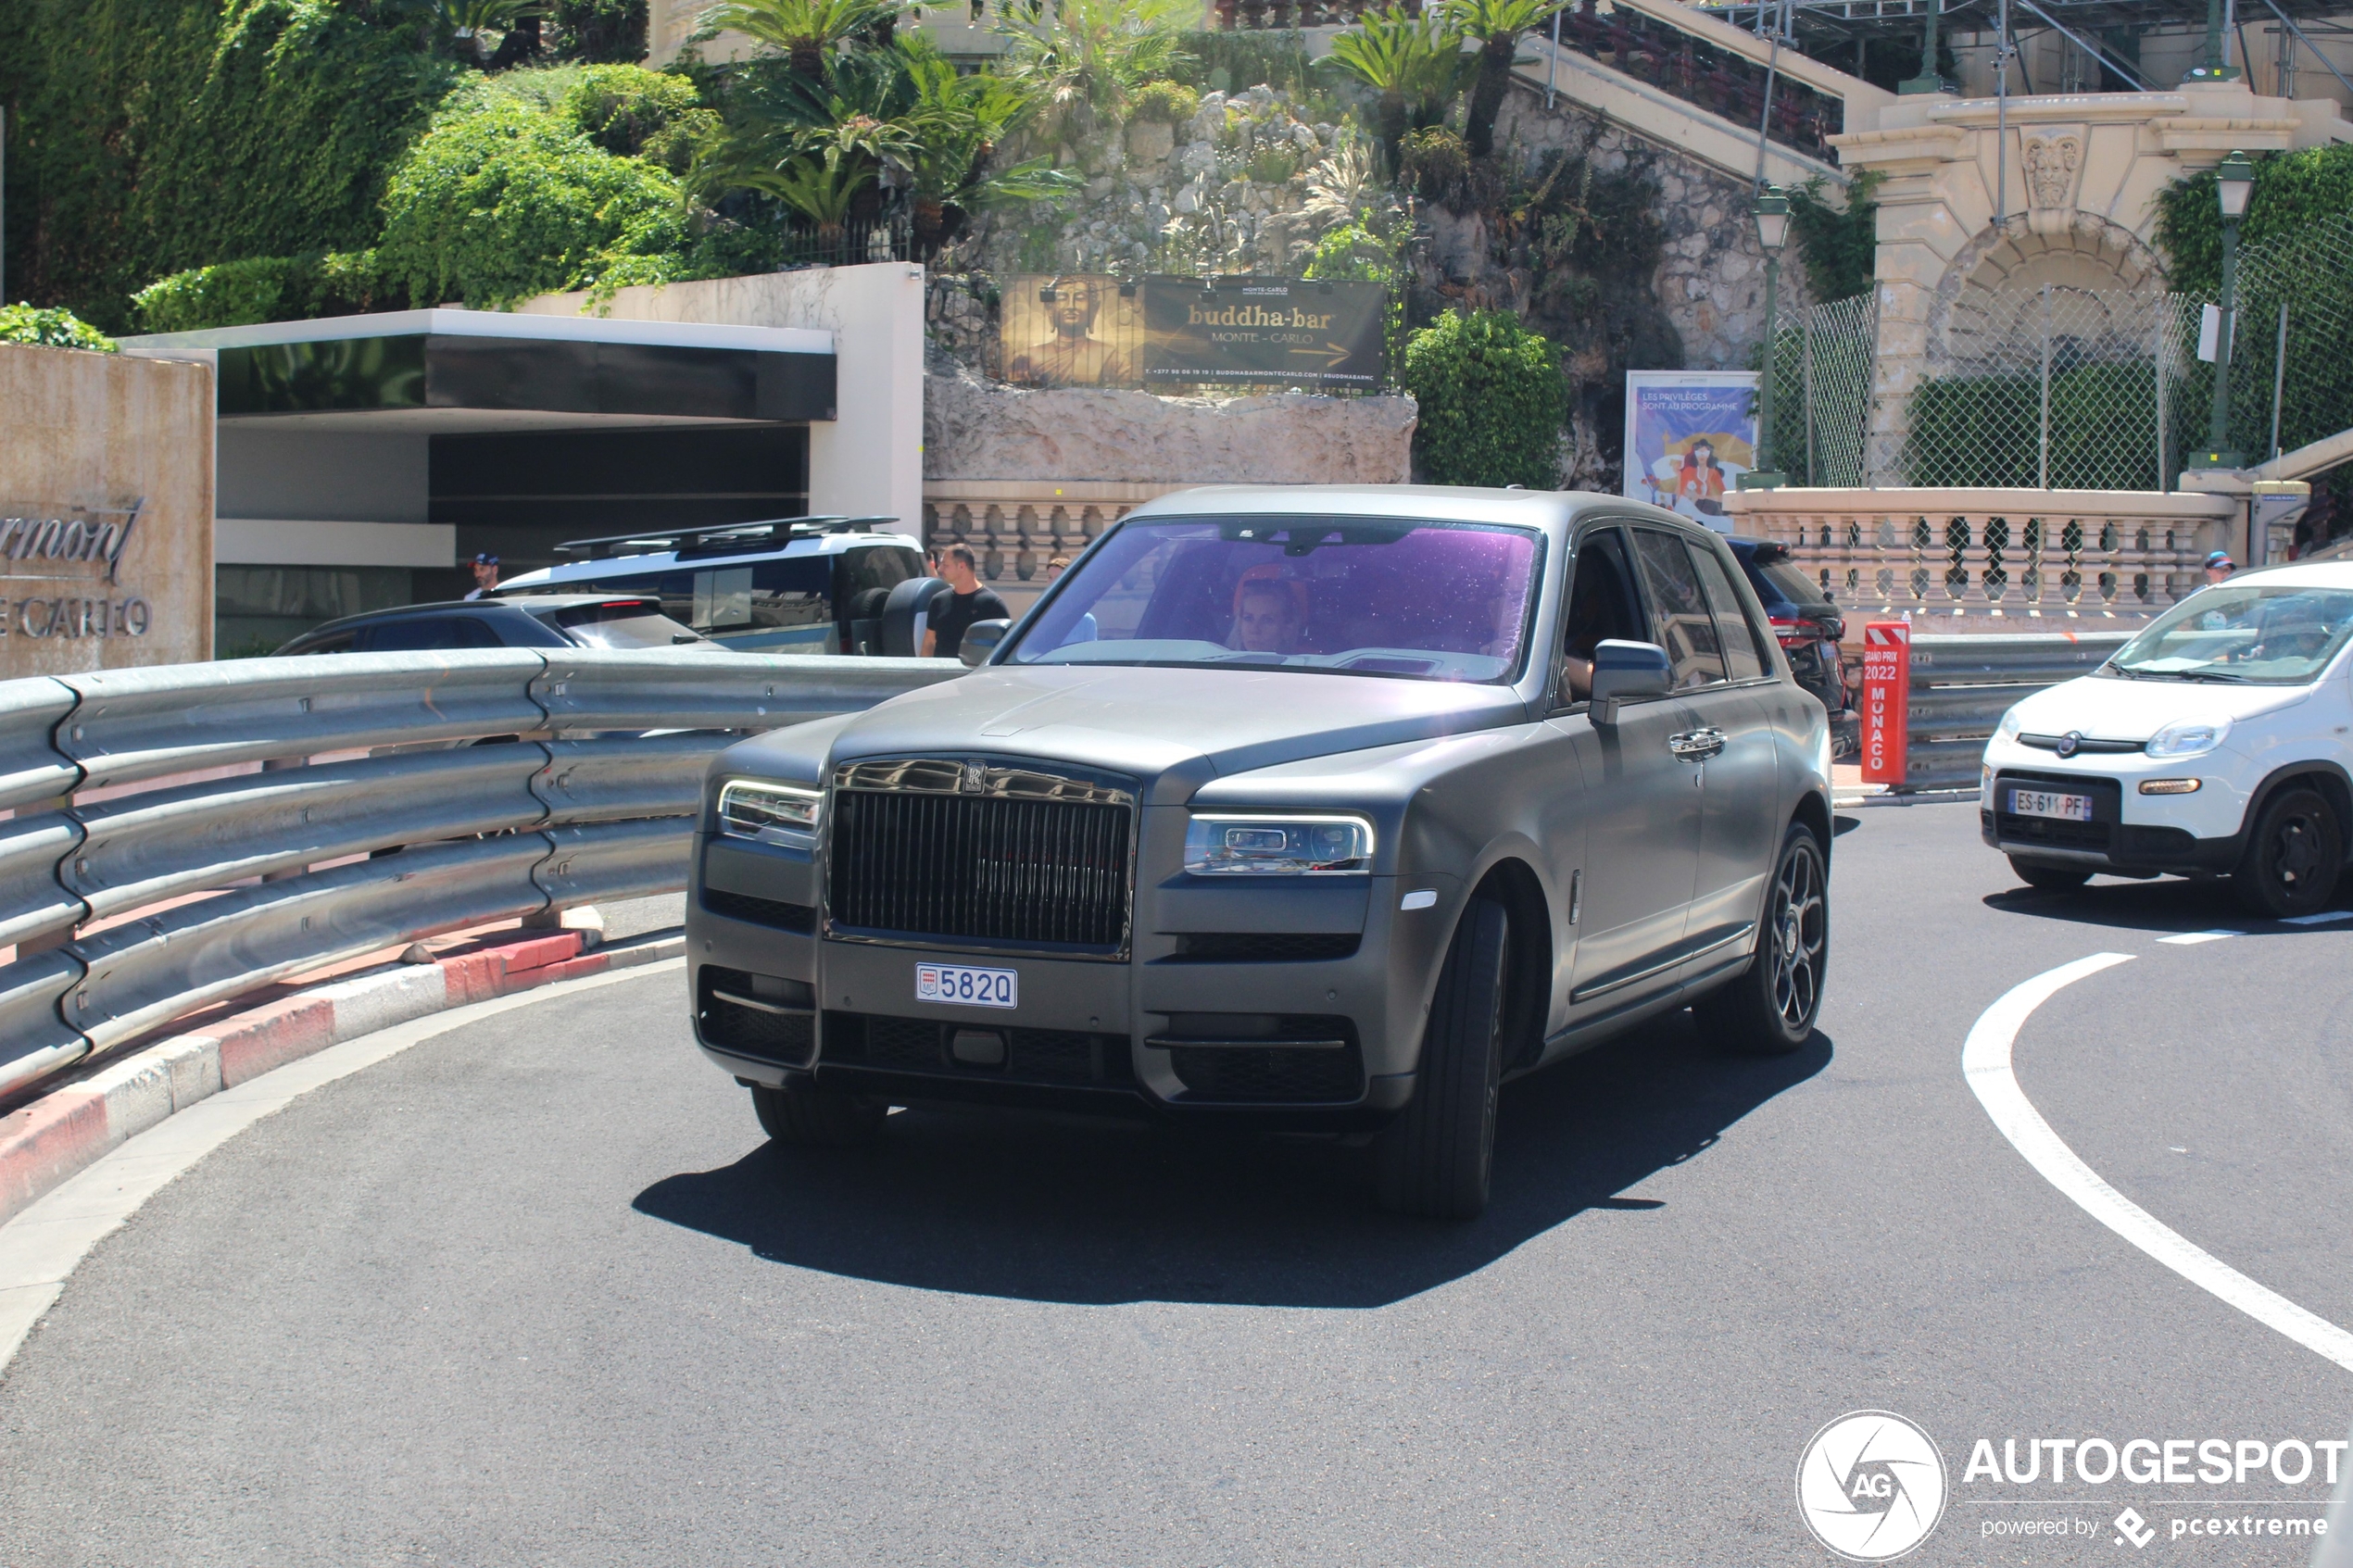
1987,430
1273,165
2293,193
277,288
1839,246
632,112
51,329
149,136
1491,401
494,206
1233,60
1171,101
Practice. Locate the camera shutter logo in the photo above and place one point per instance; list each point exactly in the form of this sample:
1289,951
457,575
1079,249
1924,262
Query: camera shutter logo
1870,1486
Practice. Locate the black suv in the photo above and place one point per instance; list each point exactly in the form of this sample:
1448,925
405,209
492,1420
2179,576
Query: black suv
1806,621
542,621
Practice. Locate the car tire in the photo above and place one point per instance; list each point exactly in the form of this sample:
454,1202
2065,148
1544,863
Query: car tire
818,1118
1770,1010
2048,877
1436,1160
2293,857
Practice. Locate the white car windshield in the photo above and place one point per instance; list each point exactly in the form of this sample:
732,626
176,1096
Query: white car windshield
2254,633
1409,600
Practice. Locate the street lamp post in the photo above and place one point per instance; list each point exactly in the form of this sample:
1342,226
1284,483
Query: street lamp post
1772,211
2212,69
1931,79
2234,183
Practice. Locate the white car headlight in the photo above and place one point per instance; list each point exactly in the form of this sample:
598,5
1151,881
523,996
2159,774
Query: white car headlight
771,813
2188,737
2011,726
1259,844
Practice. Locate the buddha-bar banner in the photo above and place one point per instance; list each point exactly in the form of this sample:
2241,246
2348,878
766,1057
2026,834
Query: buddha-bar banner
1287,329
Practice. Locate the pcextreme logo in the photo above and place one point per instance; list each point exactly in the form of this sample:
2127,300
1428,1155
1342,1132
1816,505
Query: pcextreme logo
1870,1486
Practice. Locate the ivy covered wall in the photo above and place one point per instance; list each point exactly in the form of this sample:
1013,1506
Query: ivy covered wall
146,136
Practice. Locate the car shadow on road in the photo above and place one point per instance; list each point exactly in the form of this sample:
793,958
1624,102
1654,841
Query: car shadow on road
1058,1210
2164,905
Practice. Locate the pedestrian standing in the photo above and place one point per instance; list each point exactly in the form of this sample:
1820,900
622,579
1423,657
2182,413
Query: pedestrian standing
2218,567
968,600
485,568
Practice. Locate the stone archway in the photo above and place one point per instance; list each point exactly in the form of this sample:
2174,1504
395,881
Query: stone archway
1991,295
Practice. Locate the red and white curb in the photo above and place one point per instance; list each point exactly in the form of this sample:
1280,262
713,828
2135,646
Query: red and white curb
47,1141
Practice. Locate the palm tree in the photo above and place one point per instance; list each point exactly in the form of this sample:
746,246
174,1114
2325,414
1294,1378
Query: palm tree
804,30
1083,56
1414,63
1497,25
964,120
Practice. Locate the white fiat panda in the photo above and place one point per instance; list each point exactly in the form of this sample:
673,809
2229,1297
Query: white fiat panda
2216,743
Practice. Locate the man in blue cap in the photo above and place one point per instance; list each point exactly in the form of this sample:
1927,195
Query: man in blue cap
2218,567
485,574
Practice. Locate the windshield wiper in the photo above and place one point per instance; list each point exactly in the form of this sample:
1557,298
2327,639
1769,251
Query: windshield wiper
2221,676
2121,672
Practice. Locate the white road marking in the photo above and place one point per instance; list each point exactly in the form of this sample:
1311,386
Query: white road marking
48,1239
1985,1061
2323,917
2192,938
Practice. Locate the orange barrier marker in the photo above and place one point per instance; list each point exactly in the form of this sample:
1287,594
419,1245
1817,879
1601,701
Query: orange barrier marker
1887,700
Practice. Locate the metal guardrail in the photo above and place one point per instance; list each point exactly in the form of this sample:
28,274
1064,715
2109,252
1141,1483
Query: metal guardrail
1962,685
582,805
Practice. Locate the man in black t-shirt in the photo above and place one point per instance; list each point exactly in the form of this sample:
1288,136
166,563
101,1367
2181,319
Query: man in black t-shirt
953,612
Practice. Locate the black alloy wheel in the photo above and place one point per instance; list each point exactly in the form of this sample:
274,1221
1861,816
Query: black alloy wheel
1436,1160
2293,857
1771,1007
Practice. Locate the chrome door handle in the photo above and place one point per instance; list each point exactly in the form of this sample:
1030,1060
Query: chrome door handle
1696,746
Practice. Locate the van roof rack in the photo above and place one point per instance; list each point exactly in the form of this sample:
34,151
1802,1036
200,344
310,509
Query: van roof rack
726,538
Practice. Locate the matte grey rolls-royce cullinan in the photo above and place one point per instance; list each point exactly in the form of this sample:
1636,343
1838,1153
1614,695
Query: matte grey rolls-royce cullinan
1329,810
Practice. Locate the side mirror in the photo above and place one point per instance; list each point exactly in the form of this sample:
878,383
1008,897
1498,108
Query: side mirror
1625,670
981,639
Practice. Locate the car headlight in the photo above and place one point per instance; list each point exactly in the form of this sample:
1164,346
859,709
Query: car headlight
2188,737
2011,724
771,813
1260,844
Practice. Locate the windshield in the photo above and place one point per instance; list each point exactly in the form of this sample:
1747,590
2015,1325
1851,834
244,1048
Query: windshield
2252,632
1428,601
629,623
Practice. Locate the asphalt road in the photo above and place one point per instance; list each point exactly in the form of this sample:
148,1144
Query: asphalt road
537,1292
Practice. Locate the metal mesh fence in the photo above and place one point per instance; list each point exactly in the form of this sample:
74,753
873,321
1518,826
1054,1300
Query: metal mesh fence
1822,392
2074,389
2048,388
2305,281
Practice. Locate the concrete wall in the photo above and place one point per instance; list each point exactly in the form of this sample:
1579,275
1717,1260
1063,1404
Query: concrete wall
868,459
84,435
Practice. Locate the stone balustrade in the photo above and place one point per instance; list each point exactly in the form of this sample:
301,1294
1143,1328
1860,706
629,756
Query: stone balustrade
1017,525
2107,554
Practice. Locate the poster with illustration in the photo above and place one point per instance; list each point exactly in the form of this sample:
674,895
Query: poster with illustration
1690,435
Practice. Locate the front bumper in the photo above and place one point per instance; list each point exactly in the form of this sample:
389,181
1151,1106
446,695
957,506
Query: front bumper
2120,838
1167,1031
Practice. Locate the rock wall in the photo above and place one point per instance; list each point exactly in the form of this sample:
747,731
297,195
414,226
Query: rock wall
1711,282
975,429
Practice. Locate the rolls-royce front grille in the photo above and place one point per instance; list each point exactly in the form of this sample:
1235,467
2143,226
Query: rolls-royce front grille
988,868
